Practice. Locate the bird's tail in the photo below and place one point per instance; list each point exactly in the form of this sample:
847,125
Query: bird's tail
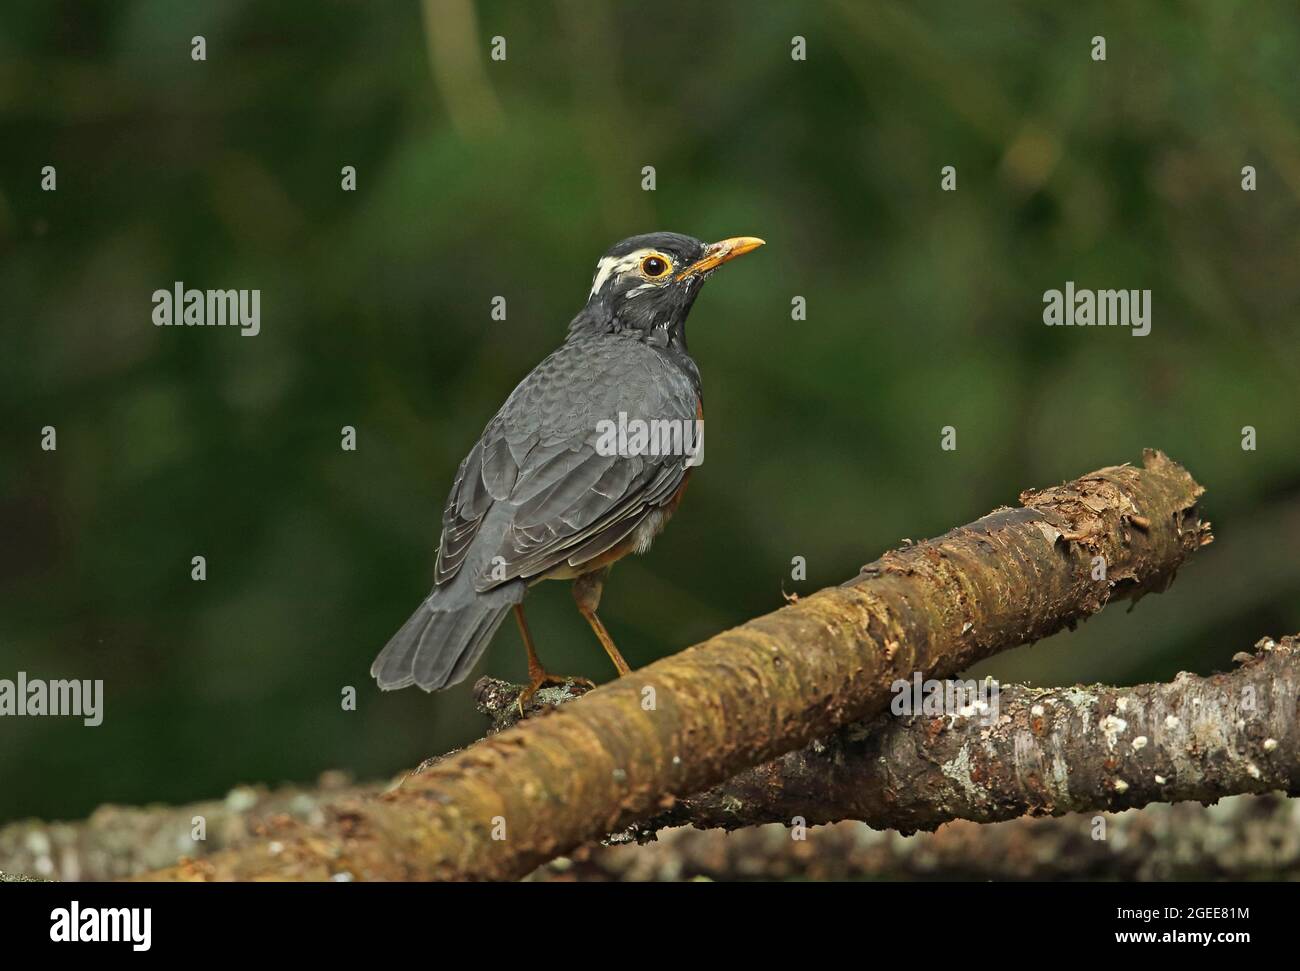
438,646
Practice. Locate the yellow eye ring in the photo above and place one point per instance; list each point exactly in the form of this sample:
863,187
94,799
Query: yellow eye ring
655,266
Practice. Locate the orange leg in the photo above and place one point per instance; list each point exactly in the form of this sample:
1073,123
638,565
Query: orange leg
586,594
537,675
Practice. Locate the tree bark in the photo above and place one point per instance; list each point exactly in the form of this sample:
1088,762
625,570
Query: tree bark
1049,751
1240,838
1036,752
514,800
1085,750
123,841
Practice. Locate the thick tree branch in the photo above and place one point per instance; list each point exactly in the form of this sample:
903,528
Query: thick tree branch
517,799
935,607
1048,752
1051,751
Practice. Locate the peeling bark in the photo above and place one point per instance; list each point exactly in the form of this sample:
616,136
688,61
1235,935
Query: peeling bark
512,801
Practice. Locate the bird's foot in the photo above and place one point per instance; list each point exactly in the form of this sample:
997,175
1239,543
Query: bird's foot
539,679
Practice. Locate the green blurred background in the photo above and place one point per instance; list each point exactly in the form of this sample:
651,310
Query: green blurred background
479,178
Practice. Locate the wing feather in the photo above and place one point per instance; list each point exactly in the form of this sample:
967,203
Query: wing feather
539,456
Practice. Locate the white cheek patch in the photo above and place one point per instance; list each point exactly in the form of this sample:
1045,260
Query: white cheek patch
611,265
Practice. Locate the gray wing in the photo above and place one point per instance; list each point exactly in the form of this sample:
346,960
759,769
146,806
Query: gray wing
538,457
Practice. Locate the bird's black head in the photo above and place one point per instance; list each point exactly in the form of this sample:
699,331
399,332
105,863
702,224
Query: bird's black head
647,284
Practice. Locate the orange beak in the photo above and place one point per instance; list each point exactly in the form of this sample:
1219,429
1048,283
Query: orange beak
715,254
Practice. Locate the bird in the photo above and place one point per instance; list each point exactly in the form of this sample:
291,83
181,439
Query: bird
542,495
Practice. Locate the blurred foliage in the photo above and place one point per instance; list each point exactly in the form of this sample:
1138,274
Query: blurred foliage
479,178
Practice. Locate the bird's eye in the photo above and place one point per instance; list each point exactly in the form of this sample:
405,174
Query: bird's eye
654,266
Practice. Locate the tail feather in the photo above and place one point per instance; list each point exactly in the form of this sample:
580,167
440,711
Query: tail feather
470,654
439,645
392,668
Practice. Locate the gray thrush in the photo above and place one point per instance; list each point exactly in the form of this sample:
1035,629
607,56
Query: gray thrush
540,496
